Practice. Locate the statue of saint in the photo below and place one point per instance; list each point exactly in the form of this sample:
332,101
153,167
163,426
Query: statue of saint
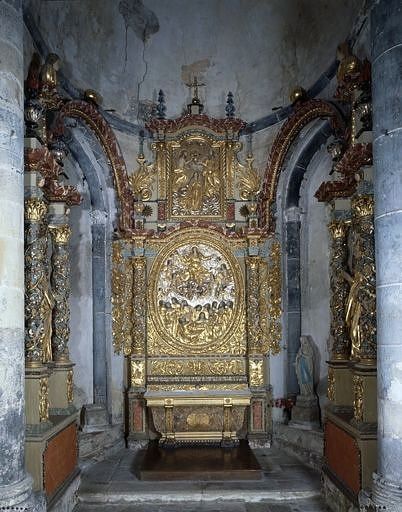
46,312
305,366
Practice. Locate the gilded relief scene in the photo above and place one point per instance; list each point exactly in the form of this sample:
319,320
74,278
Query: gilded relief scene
196,181
200,257
196,295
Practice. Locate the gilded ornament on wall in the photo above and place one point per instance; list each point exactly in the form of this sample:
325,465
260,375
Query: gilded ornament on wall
249,180
142,180
195,293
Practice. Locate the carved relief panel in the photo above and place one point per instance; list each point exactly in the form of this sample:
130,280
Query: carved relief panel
196,298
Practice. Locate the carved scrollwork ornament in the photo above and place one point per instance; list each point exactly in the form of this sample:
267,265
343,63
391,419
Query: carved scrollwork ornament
249,182
142,180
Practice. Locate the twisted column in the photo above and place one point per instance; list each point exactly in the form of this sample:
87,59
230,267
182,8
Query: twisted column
339,290
60,279
37,338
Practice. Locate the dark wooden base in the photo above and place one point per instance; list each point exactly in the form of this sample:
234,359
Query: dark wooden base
200,463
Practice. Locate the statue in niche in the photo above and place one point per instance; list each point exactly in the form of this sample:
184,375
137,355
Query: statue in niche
305,367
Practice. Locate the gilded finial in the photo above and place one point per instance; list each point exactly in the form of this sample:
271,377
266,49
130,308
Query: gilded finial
92,96
297,94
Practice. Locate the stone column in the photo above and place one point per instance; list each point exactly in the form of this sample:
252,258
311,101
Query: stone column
61,379
15,484
292,279
386,28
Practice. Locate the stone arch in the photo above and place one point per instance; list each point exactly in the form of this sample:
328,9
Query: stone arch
91,116
305,113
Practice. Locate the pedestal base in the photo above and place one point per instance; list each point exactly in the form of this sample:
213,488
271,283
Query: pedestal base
305,413
200,463
95,418
19,496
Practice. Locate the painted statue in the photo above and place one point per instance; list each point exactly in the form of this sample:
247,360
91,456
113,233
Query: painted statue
305,367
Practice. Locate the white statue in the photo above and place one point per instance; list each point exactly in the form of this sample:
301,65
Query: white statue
305,367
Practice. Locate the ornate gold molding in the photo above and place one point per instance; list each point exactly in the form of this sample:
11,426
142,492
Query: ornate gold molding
219,367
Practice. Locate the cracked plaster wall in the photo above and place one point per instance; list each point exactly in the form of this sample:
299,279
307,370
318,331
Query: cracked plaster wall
259,50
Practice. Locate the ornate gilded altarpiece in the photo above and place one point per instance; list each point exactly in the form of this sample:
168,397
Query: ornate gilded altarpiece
196,295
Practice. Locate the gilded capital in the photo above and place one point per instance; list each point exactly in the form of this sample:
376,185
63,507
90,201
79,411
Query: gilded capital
337,229
60,234
363,205
35,209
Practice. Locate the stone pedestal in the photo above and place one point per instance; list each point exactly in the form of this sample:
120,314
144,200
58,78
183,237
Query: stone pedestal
61,389
95,418
37,399
339,384
306,413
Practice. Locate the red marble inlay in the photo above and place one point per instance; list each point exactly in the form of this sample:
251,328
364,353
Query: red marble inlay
257,415
343,456
138,412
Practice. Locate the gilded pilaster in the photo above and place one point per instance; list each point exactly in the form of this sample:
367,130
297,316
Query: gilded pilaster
60,279
254,331
122,299
37,301
339,290
139,298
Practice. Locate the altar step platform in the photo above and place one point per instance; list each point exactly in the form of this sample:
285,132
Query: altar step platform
286,485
